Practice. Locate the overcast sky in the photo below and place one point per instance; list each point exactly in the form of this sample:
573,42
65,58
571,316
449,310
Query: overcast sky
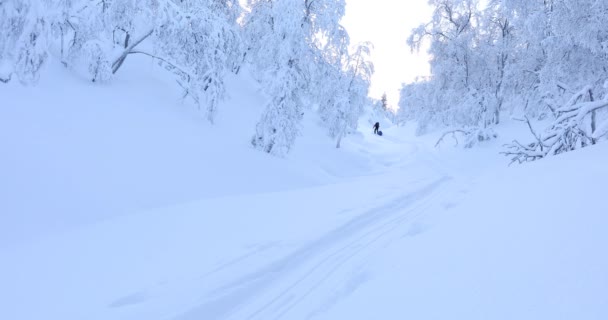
387,24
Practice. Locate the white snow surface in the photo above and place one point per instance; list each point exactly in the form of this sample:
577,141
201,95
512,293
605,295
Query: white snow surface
119,202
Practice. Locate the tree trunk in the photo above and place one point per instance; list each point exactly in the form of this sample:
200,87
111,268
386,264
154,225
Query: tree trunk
61,32
340,135
127,37
593,114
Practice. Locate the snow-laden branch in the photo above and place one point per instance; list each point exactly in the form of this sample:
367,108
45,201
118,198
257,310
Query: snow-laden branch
567,132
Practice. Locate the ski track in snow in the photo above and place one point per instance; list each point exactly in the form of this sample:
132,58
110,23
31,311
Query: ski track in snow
304,277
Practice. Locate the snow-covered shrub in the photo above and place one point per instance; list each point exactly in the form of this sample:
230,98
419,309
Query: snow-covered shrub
279,126
13,15
91,60
31,51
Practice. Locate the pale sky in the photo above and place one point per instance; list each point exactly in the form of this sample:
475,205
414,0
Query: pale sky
387,24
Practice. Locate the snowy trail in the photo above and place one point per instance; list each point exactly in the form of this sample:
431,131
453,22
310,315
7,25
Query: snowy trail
307,278
350,244
304,282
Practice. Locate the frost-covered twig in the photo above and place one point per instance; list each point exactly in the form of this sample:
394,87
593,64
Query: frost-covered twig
536,136
521,153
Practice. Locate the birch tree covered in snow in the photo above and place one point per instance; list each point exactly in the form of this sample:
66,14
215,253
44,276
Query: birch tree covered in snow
203,39
457,72
344,93
297,48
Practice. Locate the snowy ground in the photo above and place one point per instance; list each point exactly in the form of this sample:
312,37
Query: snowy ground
118,203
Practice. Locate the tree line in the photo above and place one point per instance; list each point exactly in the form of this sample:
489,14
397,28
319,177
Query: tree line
530,59
297,50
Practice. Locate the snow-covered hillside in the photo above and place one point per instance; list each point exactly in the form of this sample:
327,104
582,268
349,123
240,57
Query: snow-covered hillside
87,152
118,202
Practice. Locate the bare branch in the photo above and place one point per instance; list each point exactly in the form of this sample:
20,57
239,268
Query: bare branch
453,133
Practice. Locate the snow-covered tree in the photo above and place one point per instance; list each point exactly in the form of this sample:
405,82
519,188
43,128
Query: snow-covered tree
200,43
287,44
13,16
277,42
457,69
24,31
345,90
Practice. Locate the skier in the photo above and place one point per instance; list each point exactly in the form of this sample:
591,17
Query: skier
376,127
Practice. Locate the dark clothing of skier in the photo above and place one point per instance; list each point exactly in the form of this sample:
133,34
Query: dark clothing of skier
376,127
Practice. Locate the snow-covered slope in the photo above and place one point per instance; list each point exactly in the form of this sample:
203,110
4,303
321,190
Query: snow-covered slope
76,152
117,202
